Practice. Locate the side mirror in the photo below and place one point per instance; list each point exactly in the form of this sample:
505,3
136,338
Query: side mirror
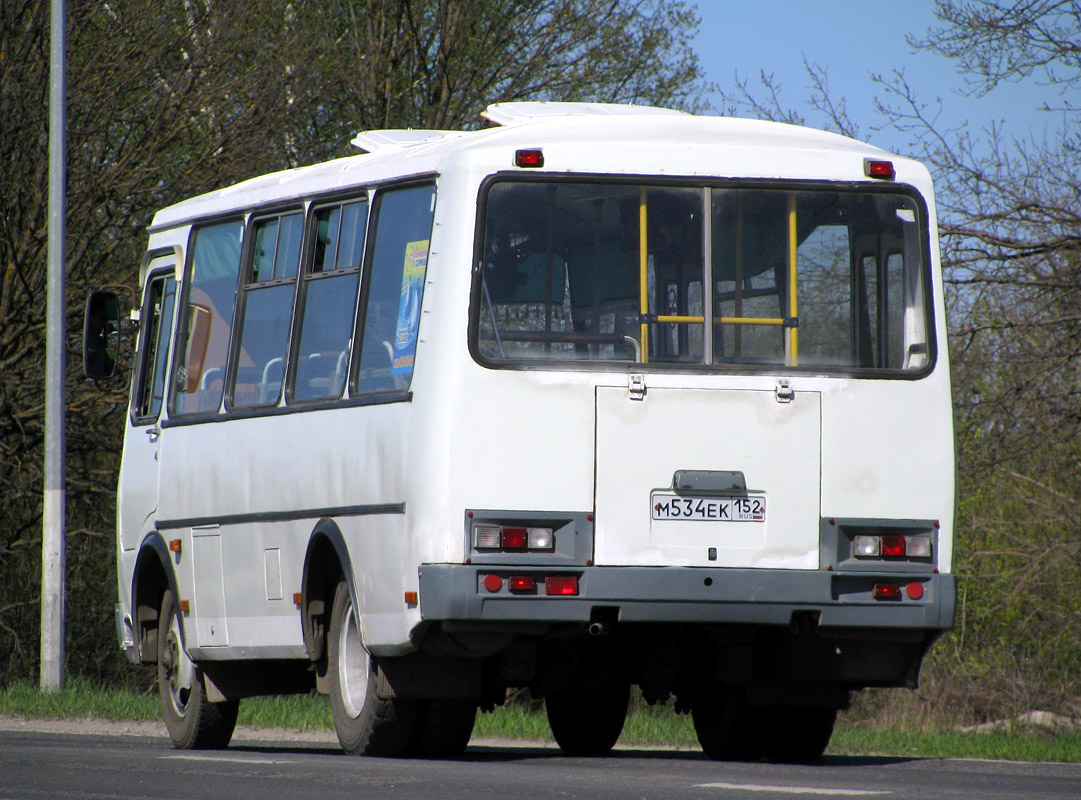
101,335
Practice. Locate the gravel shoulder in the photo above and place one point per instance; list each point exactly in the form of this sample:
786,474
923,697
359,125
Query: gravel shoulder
104,727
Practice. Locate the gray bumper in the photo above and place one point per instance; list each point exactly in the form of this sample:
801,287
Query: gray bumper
692,594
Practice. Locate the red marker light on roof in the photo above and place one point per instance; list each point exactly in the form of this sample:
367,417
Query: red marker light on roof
882,170
529,158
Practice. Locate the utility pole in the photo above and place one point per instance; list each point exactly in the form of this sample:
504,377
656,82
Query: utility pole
53,522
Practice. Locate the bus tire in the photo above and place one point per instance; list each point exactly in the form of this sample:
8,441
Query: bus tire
727,729
442,728
588,723
193,722
365,723
798,735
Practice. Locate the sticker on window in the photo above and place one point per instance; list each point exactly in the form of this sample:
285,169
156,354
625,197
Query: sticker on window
405,339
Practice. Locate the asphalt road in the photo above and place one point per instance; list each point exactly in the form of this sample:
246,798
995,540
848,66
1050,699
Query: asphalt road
92,767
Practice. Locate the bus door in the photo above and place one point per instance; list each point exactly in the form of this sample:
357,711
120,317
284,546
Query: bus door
138,487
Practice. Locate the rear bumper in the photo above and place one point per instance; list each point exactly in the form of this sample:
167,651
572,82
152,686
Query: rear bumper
840,600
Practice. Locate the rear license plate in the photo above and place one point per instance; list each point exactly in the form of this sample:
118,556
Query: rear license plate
743,508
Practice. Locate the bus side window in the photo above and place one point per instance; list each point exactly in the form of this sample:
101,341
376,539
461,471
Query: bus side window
394,288
203,345
158,315
266,309
328,302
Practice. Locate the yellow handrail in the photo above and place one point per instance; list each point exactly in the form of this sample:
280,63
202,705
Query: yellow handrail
677,319
776,321
643,270
792,341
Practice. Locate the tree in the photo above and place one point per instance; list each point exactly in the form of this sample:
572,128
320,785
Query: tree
1012,248
1010,230
171,98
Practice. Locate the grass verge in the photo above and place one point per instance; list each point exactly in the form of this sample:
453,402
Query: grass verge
525,721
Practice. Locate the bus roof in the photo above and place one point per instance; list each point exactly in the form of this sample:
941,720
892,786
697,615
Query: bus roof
596,138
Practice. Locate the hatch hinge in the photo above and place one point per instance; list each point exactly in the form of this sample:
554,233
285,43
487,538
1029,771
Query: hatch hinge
784,390
636,386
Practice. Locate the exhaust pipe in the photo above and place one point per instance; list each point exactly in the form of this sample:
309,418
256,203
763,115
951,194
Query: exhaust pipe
597,629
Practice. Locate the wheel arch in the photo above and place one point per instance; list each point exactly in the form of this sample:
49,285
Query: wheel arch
153,575
326,563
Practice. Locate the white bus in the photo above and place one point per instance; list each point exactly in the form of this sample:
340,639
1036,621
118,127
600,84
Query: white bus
598,397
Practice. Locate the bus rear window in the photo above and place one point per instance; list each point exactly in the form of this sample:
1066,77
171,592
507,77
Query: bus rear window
684,275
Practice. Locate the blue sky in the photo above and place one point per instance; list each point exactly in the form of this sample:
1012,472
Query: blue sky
850,39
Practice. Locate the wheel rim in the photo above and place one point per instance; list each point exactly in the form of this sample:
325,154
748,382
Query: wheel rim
178,668
353,665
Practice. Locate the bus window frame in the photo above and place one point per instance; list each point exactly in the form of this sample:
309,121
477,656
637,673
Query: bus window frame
182,332
305,276
245,286
142,366
374,208
926,282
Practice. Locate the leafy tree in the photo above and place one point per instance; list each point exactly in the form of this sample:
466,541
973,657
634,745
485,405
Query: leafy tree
1012,245
171,98
1010,228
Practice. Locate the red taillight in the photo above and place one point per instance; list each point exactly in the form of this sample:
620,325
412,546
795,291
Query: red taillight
493,583
561,585
529,158
523,583
893,546
914,590
515,538
883,170
887,591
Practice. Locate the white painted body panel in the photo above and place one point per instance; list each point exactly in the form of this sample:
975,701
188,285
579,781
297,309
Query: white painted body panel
641,444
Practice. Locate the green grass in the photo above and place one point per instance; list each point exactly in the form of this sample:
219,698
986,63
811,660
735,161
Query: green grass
525,721
1031,745
78,699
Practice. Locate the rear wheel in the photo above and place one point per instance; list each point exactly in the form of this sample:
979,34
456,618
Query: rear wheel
727,729
588,723
193,722
365,724
442,728
796,734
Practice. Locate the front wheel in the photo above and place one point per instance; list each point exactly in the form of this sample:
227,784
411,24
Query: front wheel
588,723
193,722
